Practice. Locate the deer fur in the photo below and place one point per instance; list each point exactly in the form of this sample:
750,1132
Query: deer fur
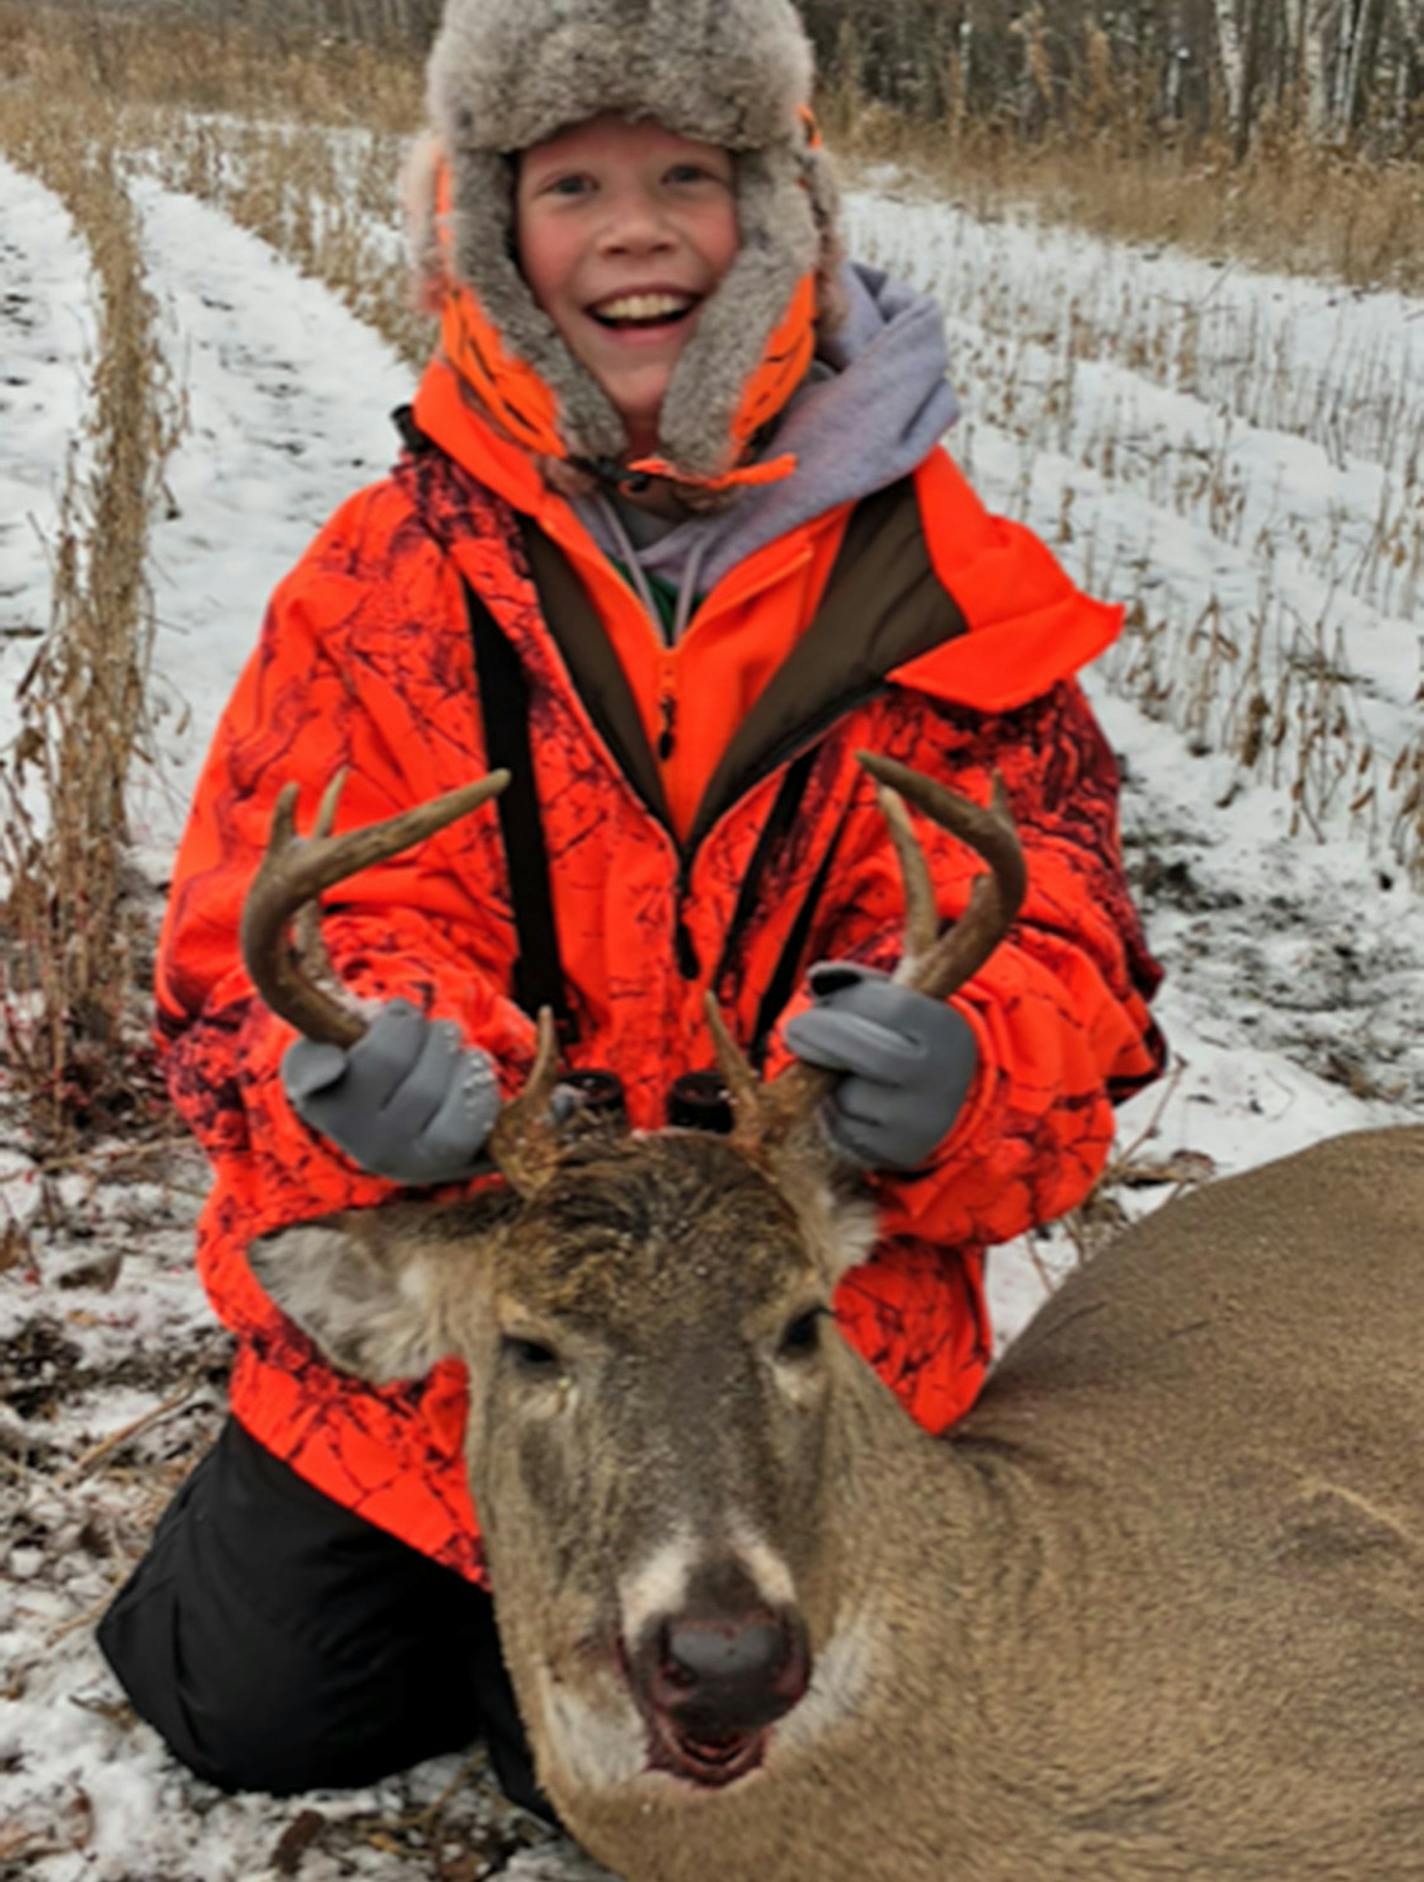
1154,1609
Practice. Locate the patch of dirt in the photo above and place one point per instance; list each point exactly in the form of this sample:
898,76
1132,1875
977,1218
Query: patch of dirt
43,1370
1160,880
38,1367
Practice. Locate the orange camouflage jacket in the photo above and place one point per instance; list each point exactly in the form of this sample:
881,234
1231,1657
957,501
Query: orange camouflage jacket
761,847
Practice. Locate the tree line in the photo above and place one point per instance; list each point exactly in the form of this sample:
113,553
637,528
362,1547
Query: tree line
1344,73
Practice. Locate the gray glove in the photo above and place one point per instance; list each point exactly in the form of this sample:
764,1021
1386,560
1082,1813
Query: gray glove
908,1062
408,1101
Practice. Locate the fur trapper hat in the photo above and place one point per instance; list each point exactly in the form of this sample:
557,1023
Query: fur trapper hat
507,74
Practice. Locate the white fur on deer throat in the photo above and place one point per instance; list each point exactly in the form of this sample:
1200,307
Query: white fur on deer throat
598,1742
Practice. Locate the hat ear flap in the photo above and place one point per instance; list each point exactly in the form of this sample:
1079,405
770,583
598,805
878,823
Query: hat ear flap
824,191
419,182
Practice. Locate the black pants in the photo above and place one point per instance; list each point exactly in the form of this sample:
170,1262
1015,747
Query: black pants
279,1643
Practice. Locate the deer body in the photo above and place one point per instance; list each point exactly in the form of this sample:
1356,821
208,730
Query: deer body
1157,1609
1154,1610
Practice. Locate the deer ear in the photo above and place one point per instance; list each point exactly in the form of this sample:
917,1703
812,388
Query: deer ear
838,1224
369,1291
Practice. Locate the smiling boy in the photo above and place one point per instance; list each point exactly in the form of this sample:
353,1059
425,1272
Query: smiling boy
624,230
673,536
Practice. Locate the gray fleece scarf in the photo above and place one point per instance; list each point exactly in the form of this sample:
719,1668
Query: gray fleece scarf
875,405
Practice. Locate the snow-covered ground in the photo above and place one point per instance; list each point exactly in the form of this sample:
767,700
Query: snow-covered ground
1295,993
46,340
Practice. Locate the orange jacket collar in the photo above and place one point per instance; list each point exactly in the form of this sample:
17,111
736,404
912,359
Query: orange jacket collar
1030,626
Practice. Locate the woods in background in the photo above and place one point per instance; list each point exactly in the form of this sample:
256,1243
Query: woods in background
1341,70
1343,74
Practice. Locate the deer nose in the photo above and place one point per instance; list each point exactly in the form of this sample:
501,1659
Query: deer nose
731,1673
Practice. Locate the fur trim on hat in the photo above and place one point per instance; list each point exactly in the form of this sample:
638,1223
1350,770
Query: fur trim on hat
507,74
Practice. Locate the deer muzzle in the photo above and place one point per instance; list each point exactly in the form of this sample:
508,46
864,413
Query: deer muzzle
712,1684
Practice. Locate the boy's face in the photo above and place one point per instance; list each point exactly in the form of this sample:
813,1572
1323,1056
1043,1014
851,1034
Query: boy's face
623,230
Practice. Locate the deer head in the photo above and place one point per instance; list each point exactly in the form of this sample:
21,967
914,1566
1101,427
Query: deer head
664,1297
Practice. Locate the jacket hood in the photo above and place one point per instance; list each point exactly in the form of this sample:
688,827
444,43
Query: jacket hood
875,405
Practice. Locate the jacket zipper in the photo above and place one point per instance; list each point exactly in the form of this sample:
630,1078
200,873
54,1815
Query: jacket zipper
688,963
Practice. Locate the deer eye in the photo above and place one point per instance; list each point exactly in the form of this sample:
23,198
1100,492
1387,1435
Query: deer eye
531,1357
802,1336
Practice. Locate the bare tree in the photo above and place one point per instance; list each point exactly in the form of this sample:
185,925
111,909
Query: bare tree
1233,61
1408,76
1315,21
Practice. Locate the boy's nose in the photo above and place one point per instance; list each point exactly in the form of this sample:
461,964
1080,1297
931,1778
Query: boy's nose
636,226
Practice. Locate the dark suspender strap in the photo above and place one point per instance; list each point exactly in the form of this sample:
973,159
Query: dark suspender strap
412,437
774,832
504,705
786,976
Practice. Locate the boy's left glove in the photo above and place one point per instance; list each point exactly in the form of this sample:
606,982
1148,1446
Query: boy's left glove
908,1062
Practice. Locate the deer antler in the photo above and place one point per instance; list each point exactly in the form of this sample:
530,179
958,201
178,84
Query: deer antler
932,963
524,1146
294,872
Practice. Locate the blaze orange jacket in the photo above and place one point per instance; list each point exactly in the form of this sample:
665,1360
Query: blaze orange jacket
743,837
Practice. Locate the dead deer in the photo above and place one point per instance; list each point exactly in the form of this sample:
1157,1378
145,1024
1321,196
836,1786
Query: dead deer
1154,1609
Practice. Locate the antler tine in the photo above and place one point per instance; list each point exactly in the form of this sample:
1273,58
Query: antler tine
744,1088
524,1144
294,872
939,964
921,916
932,963
306,923
763,1114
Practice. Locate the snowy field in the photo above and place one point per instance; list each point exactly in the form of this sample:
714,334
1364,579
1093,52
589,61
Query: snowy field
1237,456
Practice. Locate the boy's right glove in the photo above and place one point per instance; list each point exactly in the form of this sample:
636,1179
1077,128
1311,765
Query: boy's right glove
408,1101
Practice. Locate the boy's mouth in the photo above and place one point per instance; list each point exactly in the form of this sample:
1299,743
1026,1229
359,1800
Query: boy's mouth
643,312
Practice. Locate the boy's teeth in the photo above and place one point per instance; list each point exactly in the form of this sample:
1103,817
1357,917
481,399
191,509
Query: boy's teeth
644,306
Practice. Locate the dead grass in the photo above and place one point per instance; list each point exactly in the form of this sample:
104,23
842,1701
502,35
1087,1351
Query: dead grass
1289,206
76,933
1271,693
1101,162
77,87
1407,826
131,54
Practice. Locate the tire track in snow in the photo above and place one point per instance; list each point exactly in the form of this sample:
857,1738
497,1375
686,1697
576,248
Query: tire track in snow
289,400
47,342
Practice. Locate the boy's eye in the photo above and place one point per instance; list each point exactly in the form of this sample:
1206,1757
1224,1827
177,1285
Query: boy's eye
568,185
692,173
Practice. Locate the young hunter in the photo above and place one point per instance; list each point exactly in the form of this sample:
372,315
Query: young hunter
672,537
